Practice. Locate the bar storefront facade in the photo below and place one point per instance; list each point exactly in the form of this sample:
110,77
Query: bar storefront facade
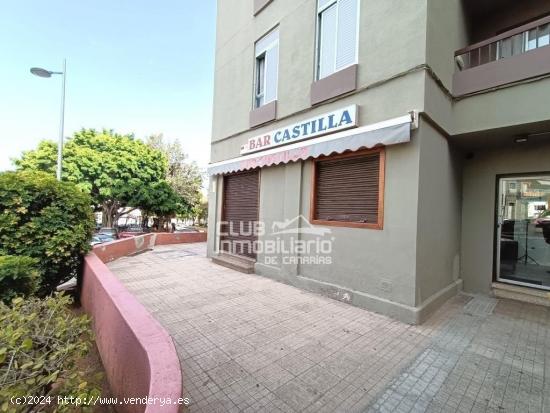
356,153
335,214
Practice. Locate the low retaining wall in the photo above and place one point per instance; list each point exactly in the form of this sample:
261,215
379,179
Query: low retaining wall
113,250
165,238
138,355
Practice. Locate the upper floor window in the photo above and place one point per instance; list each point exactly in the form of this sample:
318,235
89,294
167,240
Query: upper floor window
336,35
266,69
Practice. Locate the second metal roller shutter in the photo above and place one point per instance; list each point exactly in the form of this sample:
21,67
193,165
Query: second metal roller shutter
348,189
240,212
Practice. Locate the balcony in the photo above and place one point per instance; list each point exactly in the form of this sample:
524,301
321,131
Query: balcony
518,54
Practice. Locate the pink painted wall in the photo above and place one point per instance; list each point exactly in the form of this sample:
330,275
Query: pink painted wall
138,355
165,238
110,251
113,250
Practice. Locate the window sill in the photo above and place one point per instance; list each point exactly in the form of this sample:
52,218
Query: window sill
259,5
377,226
337,84
263,114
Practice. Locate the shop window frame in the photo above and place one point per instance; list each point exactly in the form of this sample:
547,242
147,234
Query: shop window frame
379,225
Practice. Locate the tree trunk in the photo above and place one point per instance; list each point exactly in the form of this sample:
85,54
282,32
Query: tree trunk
121,214
106,219
108,214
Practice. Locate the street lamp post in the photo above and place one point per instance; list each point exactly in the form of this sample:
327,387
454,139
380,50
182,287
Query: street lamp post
37,71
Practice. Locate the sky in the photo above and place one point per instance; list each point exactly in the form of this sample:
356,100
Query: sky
136,66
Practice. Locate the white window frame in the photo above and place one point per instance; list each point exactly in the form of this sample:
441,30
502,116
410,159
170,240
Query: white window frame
258,53
259,96
318,37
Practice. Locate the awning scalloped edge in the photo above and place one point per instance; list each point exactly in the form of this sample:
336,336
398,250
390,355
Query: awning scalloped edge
385,133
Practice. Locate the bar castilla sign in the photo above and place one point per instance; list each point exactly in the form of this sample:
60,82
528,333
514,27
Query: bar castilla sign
336,120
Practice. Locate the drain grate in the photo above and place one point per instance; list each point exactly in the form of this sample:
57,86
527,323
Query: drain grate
480,306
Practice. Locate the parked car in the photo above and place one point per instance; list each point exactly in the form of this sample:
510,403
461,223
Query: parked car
112,232
542,219
132,228
106,237
96,240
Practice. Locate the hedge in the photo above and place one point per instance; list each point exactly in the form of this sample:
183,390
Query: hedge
47,220
42,343
18,277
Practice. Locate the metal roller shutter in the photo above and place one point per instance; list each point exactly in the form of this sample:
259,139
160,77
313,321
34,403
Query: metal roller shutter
240,212
348,189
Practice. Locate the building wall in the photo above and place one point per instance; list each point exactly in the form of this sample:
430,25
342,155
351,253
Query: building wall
371,268
517,105
478,212
439,217
474,124
238,30
439,208
378,262
388,270
215,199
446,32
382,102
414,262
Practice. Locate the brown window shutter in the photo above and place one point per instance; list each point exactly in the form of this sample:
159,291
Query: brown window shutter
348,189
240,212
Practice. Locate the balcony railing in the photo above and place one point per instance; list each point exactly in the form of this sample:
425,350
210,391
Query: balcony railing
515,55
511,43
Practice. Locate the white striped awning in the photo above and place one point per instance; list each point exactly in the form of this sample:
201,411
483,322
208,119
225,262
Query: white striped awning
389,132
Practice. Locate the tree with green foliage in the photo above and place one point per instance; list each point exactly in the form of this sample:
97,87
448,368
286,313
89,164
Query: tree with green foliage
112,168
199,212
161,201
49,221
184,177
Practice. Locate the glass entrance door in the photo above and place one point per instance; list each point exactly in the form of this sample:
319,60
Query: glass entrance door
523,231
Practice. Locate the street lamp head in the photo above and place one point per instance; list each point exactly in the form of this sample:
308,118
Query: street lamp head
38,71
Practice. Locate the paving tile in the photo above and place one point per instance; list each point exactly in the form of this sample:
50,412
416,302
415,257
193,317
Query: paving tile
236,348
273,376
226,374
249,344
340,365
255,360
319,378
295,363
297,394
211,359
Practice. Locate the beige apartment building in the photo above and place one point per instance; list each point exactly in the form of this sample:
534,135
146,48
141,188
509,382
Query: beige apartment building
385,153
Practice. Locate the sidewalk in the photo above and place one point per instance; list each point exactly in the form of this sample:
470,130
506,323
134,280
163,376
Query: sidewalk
247,343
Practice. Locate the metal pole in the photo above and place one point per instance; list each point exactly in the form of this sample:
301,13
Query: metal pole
61,123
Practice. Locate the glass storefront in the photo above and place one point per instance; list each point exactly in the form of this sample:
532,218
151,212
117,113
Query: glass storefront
523,231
